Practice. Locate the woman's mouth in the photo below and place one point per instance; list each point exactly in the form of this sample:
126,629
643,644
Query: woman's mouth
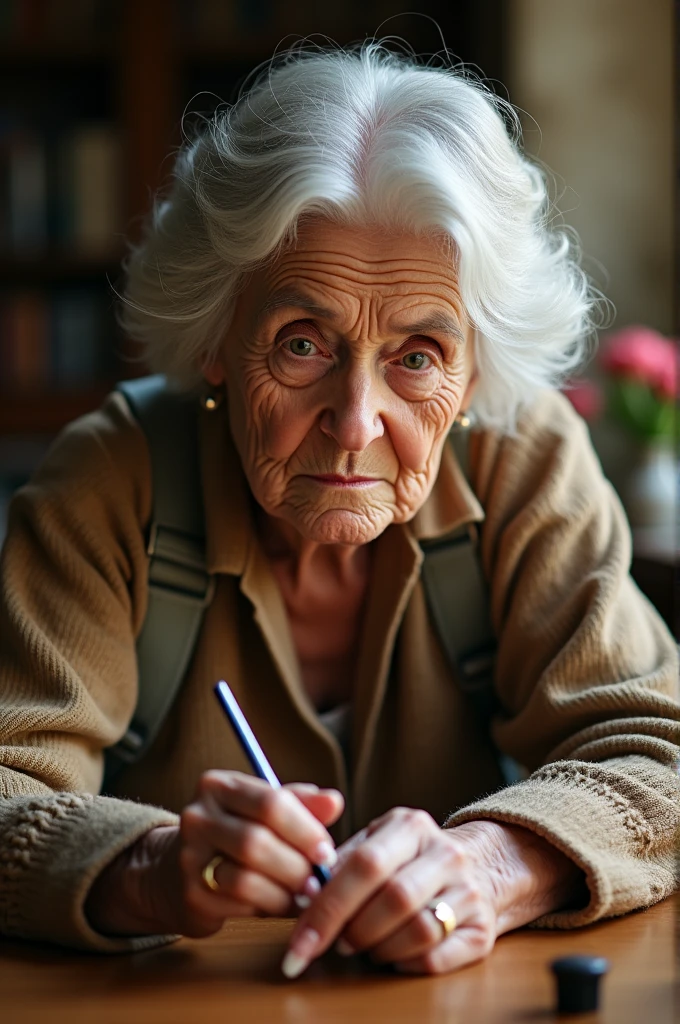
335,480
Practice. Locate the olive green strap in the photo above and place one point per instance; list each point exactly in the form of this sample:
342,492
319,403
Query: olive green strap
458,601
180,587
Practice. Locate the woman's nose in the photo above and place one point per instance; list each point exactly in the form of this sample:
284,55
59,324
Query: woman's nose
353,417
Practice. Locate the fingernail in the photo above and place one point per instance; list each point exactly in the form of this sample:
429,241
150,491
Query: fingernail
343,947
325,855
300,953
312,887
293,965
301,901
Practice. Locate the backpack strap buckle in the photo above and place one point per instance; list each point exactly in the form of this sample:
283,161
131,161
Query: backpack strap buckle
475,678
130,746
178,564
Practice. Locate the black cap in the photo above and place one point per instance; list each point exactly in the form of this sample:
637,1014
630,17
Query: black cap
578,980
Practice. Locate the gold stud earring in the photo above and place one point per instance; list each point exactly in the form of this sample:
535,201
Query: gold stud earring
463,421
211,400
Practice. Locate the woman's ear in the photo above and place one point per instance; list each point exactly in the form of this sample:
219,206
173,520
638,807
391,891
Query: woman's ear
212,370
471,369
469,391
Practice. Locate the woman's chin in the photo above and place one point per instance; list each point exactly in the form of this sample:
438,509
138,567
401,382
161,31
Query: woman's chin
340,526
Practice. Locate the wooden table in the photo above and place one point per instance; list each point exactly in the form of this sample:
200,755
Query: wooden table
234,977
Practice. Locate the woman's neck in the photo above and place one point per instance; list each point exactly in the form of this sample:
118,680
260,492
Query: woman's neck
306,558
324,589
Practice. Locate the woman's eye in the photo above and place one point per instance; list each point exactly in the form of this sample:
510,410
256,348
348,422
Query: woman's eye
416,361
301,346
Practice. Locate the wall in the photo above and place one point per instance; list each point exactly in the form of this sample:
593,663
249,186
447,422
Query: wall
597,77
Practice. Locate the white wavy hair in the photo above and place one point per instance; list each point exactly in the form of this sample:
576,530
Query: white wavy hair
365,136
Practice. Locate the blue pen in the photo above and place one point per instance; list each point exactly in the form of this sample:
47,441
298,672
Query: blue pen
255,753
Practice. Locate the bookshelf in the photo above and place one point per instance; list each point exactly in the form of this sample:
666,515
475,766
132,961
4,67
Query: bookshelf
92,93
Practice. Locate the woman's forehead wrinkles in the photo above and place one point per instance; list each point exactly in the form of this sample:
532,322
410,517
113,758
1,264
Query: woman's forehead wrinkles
291,286
349,259
320,281
287,297
437,320
345,266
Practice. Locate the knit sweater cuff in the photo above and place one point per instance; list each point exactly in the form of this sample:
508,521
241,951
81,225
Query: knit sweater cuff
51,850
570,805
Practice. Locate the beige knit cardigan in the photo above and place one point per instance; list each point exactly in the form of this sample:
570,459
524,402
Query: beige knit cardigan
587,672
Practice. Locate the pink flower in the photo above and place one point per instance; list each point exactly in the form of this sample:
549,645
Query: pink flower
644,355
586,397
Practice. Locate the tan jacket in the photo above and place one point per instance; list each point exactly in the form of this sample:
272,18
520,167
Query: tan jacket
587,672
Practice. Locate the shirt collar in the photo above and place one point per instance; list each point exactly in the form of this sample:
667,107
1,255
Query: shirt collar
450,504
228,502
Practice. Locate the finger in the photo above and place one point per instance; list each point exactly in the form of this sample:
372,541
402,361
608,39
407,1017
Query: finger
240,892
366,870
472,939
326,805
345,849
465,946
248,843
279,809
400,899
349,846
421,931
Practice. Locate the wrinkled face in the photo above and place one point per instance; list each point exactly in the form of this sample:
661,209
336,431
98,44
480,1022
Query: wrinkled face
345,365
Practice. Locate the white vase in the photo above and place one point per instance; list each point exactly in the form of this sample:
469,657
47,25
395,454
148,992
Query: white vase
652,490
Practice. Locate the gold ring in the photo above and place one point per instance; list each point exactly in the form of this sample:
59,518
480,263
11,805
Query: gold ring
444,913
208,872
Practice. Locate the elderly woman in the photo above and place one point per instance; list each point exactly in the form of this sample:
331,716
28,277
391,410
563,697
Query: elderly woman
350,262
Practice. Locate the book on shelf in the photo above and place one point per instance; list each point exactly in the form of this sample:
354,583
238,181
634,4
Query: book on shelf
90,189
26,189
60,190
24,343
76,349
64,339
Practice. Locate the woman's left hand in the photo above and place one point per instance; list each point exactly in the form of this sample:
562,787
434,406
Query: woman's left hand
495,878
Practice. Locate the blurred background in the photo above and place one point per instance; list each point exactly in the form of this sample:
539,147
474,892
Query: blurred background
91,97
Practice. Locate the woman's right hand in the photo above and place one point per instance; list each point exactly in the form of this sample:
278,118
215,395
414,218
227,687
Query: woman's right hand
269,839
